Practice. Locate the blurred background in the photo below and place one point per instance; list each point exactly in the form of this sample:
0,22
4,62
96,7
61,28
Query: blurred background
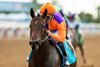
14,29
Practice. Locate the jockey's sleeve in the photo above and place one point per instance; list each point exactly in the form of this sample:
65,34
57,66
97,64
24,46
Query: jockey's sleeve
61,28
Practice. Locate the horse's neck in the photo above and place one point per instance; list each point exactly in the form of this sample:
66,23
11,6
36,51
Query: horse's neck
44,48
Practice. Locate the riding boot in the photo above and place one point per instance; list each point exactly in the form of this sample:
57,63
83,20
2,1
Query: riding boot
63,50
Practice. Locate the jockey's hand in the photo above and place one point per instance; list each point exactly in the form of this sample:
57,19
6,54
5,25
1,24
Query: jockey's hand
49,32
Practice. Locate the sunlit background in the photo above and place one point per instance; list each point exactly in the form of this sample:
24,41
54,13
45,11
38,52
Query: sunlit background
14,14
14,28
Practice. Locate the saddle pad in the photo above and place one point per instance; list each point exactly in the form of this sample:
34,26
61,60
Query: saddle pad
70,55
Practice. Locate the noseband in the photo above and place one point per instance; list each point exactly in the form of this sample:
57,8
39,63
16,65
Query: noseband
35,44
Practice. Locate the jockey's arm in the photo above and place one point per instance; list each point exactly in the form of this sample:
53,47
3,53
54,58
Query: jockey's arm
61,32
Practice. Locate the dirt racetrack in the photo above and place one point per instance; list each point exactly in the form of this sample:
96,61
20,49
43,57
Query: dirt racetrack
13,52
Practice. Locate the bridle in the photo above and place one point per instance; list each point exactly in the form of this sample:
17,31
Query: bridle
35,44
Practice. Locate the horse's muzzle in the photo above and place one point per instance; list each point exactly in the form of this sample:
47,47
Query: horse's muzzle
34,44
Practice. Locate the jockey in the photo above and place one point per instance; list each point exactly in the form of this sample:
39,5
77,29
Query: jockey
73,20
56,27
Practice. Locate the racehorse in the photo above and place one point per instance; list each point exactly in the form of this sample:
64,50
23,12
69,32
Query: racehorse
77,41
43,53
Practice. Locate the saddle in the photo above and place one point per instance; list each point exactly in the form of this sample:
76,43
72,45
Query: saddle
71,58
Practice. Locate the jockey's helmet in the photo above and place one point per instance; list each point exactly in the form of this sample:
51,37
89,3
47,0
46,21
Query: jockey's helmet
50,9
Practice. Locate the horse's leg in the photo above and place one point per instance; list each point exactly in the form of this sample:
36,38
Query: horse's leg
82,53
75,46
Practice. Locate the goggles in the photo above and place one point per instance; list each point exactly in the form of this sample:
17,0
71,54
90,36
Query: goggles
49,17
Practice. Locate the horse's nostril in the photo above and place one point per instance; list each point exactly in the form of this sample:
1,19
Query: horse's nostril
36,42
30,42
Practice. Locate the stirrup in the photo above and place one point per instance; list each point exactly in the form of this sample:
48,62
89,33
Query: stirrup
67,63
27,59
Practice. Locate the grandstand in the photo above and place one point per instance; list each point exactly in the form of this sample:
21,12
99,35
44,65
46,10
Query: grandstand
16,7
15,18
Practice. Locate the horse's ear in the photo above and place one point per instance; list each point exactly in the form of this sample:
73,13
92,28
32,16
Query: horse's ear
44,14
32,13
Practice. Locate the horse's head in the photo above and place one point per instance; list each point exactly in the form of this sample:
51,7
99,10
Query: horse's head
37,27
